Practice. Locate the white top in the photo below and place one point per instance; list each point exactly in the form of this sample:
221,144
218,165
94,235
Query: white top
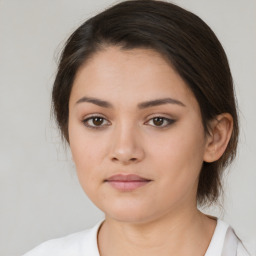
224,243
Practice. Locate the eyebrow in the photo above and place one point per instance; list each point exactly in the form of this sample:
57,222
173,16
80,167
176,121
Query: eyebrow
142,105
158,102
101,103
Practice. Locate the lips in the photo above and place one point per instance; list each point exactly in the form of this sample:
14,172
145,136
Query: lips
127,182
127,177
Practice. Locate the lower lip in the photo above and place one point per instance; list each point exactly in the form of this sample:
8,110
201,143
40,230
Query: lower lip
128,185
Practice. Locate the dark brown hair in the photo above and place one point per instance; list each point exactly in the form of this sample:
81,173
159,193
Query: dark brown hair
181,37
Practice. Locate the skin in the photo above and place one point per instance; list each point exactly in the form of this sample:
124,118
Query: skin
160,218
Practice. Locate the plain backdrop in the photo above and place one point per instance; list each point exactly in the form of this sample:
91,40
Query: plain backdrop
40,197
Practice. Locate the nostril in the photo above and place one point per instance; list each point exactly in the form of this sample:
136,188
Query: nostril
114,159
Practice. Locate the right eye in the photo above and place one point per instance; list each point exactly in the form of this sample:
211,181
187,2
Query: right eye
95,122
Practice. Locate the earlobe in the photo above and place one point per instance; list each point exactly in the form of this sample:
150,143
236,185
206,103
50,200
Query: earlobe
220,132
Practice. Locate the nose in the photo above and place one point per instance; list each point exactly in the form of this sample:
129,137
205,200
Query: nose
126,146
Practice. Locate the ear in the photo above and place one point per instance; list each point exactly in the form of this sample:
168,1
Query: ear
220,130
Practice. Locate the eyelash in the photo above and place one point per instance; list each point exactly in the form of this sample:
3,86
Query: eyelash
165,119
91,118
168,121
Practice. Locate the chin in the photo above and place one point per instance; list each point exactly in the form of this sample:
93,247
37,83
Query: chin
136,215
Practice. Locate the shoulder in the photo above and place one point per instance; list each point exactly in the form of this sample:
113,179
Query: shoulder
77,244
66,245
226,242
241,250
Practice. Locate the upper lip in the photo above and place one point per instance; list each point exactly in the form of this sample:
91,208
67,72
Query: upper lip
126,177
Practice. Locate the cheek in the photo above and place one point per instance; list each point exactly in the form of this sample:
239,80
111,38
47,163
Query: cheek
86,166
179,155
86,154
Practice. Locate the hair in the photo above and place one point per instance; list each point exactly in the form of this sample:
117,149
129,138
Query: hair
182,38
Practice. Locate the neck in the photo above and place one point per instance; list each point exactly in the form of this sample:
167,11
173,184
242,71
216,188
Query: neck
183,233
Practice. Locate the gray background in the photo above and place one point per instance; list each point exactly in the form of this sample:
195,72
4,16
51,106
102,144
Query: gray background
40,197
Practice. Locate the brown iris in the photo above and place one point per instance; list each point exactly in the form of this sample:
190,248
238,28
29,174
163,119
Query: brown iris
97,121
158,121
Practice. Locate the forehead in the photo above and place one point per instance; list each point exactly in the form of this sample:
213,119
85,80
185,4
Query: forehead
131,75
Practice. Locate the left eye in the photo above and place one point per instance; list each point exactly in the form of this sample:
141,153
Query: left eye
160,121
95,122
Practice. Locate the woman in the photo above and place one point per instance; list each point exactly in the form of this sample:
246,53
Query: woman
144,97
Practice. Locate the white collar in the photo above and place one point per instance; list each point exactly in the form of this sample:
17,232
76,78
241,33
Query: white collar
224,242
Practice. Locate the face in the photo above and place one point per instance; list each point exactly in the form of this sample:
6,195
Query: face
136,135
